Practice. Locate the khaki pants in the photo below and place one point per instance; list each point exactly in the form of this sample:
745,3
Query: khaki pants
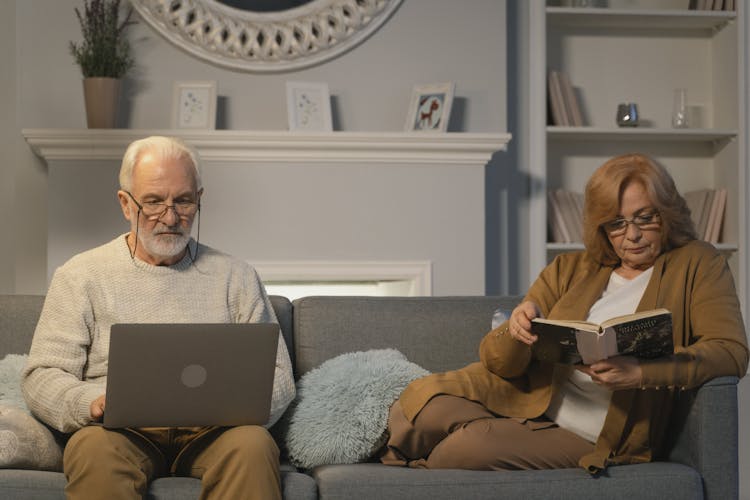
232,463
454,433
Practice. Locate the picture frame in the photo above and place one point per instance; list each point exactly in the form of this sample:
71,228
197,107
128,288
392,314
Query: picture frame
194,105
308,106
430,107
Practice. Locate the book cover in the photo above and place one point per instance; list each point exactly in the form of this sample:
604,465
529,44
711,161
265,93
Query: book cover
554,220
718,217
706,215
557,222
568,209
696,201
559,115
646,334
570,99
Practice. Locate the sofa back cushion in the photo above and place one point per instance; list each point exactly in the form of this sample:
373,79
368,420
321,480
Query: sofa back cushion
19,315
437,333
283,309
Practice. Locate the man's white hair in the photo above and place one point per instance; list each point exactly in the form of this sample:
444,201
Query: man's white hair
164,148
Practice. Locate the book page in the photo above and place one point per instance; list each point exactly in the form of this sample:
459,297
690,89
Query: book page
594,347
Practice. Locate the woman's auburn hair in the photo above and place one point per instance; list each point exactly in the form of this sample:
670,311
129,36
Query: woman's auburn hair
604,193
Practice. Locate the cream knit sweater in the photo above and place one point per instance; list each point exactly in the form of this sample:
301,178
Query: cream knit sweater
67,365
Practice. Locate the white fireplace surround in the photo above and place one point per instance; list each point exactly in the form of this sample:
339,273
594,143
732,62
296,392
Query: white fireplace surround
72,154
251,146
416,275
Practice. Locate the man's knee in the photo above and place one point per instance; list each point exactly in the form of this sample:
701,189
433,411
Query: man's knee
95,447
85,442
251,442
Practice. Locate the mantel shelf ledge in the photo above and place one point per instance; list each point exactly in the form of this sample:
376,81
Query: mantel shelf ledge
246,146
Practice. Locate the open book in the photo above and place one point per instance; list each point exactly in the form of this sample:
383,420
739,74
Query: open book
646,334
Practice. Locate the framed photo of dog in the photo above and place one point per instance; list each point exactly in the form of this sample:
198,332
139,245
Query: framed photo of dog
430,107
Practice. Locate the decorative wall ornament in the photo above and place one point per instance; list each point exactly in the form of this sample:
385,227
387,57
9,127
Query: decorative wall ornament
270,41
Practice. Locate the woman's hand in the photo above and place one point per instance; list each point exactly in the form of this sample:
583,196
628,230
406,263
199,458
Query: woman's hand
615,374
519,324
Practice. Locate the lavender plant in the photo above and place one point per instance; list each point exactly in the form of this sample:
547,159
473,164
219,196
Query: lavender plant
104,51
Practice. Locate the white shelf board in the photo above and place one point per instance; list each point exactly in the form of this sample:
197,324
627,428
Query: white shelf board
698,20
573,247
640,134
249,146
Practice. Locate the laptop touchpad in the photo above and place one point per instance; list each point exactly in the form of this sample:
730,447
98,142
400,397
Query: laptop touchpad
193,376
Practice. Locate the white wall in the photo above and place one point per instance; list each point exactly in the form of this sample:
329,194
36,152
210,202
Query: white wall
289,212
425,41
7,130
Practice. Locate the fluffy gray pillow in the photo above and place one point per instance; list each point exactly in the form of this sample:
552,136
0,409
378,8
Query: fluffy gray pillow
10,379
25,443
340,414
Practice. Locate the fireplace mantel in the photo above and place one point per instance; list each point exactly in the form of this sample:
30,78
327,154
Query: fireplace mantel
247,146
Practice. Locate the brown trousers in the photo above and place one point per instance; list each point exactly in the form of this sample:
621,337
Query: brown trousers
238,462
454,433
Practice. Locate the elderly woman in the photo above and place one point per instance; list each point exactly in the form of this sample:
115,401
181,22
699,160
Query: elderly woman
512,411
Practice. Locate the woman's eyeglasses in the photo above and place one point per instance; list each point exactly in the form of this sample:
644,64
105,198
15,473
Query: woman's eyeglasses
644,221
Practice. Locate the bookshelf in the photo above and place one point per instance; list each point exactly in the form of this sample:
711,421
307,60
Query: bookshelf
640,53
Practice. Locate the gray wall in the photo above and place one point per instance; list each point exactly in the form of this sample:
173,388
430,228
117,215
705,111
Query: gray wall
8,130
425,41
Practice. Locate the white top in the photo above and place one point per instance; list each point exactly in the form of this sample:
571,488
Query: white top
580,405
67,365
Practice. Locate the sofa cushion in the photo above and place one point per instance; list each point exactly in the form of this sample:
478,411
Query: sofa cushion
654,481
18,317
10,380
341,411
437,333
25,443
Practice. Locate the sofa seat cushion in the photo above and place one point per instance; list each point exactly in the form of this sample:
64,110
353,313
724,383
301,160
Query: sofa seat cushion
38,485
654,481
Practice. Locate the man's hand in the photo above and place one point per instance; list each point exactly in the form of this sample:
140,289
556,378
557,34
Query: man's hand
97,408
615,374
519,324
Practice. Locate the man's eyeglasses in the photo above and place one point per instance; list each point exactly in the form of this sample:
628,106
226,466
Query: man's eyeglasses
155,210
644,221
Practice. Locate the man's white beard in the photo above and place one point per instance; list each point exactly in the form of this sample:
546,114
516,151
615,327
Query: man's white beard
164,246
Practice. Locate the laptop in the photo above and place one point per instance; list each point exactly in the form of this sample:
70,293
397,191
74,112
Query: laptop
189,375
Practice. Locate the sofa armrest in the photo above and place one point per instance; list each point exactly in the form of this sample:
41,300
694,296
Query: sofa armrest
707,435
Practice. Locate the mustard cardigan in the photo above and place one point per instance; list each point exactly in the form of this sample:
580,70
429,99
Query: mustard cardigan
694,282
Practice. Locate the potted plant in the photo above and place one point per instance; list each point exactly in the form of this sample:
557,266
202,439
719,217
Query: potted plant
104,58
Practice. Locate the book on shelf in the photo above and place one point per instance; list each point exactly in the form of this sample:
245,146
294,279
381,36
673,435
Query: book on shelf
570,100
713,232
646,334
558,228
699,203
712,5
565,215
557,104
707,208
565,107
573,217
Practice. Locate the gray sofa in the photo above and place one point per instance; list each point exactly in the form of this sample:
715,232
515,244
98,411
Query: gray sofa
437,333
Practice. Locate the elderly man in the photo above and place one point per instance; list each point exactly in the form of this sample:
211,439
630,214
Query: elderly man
154,273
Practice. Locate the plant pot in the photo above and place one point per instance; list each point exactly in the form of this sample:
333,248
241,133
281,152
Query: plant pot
101,96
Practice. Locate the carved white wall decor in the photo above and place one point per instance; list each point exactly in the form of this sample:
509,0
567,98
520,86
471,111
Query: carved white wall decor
269,41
